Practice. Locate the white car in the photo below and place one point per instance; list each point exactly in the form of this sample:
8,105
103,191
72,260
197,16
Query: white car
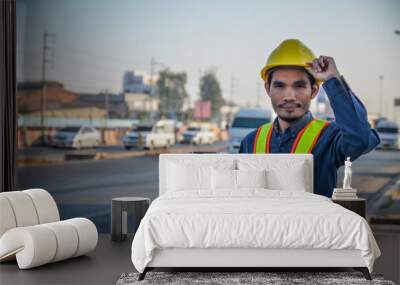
245,121
198,135
389,134
77,137
136,137
162,135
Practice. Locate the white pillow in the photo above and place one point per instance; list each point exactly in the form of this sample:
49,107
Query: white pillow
223,179
251,178
281,180
182,177
283,174
227,179
292,180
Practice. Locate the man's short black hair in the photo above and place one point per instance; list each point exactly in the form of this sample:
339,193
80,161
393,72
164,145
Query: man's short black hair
310,77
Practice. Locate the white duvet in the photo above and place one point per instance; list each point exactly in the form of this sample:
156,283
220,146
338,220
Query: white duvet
250,219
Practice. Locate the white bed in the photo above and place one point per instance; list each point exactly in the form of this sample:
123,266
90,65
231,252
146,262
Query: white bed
200,220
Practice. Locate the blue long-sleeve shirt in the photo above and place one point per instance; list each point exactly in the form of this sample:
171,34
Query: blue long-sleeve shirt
350,135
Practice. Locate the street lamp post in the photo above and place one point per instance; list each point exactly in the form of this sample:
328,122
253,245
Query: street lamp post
381,94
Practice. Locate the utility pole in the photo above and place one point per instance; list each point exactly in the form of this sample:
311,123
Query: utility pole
152,87
151,73
396,100
106,103
199,79
45,60
381,95
168,85
258,93
200,72
232,89
153,64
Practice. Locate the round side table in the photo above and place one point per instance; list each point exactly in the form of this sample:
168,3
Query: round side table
120,207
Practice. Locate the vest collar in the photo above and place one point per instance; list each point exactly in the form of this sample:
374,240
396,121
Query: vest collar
295,128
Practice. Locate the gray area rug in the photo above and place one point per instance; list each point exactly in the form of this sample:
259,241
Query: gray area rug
225,278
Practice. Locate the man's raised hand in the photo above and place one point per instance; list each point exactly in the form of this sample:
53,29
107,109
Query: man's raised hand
323,68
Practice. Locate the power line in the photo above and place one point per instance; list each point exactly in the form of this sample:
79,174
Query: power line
68,58
91,54
77,83
90,82
64,59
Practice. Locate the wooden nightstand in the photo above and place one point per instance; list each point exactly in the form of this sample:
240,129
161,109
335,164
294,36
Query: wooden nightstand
358,206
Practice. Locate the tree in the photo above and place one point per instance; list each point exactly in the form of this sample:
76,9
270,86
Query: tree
171,90
210,90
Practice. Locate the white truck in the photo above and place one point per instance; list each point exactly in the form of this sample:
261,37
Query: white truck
162,135
245,121
198,135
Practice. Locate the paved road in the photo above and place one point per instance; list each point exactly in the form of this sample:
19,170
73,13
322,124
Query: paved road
43,155
85,188
45,151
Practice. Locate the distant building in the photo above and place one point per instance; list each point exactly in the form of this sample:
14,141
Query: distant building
132,83
66,104
29,96
141,104
114,104
73,112
139,96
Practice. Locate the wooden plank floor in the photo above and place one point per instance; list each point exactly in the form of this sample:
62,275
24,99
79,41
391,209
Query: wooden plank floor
102,266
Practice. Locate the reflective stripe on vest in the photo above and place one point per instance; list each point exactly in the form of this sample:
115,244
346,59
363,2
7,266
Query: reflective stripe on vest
304,142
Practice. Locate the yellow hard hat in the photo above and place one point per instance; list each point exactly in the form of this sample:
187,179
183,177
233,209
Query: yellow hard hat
290,52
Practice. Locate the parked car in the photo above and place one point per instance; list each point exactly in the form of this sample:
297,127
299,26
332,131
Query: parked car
198,135
389,134
245,121
77,137
136,137
162,135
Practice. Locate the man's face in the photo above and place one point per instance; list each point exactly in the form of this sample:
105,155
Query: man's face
291,93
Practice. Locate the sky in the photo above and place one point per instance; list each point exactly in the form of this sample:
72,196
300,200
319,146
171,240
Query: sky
97,40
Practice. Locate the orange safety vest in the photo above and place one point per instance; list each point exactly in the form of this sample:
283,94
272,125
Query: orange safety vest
304,142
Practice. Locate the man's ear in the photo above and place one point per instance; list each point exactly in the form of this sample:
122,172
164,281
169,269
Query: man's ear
266,85
314,90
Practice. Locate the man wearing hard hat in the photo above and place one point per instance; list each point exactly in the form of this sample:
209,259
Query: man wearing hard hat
292,78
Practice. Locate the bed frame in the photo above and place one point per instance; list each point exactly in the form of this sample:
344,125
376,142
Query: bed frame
248,259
